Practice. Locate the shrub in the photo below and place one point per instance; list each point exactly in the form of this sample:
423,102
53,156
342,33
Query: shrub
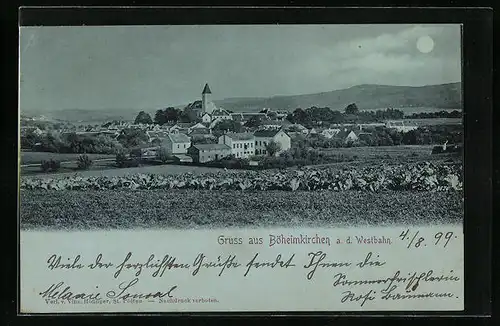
163,155
45,166
50,165
121,158
132,163
84,162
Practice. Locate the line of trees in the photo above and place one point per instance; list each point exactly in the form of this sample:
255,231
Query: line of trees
314,116
56,142
440,114
379,136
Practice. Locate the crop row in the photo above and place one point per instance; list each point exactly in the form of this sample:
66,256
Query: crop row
417,177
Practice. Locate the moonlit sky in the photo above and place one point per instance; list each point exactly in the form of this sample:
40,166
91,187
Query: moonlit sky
150,67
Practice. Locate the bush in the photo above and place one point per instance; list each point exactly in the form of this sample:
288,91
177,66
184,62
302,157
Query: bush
132,163
50,165
84,162
121,158
163,155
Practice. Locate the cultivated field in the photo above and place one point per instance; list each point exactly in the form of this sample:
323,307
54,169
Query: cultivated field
375,194
123,209
37,157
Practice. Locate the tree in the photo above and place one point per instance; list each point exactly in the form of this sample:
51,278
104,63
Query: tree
253,122
171,114
132,137
228,126
144,118
160,118
301,116
273,147
351,109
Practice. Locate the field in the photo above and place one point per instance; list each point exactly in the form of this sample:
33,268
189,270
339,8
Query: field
124,209
37,157
108,169
434,121
422,151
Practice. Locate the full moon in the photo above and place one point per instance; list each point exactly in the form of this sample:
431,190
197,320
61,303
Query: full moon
425,44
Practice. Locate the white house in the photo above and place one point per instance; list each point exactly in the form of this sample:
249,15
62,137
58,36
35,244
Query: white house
199,125
351,137
206,118
264,137
184,127
176,143
223,114
313,131
242,144
399,126
296,127
275,124
330,133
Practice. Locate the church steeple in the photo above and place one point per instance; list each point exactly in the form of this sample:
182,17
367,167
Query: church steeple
206,90
206,105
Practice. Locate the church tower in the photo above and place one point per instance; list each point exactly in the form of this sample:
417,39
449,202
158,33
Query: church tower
206,105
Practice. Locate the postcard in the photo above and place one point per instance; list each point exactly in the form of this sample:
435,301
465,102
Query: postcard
241,168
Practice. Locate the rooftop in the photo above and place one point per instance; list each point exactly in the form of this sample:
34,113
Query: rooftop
276,123
157,134
266,133
185,124
179,138
206,90
211,146
241,136
200,131
220,112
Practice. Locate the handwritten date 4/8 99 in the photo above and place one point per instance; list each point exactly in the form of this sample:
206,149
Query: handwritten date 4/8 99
414,239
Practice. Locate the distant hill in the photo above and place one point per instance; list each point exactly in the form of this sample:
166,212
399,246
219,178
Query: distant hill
366,97
88,116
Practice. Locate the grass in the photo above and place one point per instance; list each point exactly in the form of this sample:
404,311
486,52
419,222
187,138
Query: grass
37,157
86,210
376,151
108,169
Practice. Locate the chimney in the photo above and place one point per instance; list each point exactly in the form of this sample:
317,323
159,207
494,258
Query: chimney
360,127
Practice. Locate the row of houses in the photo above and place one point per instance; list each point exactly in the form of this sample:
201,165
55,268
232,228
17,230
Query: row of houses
240,145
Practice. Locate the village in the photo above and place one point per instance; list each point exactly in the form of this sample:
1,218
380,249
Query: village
214,134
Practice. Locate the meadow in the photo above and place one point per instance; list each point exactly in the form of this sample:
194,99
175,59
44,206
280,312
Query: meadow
28,157
384,151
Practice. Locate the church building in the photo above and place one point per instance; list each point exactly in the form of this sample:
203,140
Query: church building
205,110
207,106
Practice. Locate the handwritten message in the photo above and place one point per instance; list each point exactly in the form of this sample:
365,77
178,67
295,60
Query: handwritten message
243,270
